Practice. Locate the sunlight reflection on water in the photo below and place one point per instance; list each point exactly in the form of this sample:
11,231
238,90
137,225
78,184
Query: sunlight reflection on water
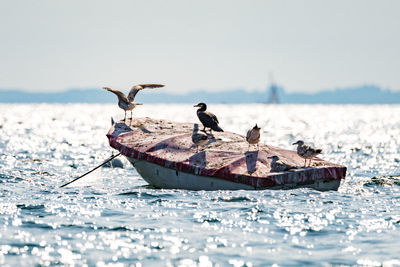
113,217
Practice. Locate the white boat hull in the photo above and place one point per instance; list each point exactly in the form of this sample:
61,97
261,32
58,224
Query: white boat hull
162,177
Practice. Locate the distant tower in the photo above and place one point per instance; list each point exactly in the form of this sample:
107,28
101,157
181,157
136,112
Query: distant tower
273,92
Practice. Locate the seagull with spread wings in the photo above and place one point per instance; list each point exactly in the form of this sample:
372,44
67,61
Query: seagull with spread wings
127,103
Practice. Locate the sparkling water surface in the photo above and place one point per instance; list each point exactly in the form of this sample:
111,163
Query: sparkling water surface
113,218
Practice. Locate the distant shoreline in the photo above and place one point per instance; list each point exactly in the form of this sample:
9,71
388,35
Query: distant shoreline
359,95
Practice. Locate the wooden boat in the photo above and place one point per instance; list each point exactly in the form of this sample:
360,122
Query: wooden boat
163,154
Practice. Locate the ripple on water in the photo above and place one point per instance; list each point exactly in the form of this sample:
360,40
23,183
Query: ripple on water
383,181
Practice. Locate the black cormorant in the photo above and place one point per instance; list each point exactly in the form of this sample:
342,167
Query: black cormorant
208,119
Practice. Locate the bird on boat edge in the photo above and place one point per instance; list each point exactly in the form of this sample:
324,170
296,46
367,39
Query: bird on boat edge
127,103
306,152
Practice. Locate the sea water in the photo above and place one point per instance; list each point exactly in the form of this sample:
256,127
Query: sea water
113,218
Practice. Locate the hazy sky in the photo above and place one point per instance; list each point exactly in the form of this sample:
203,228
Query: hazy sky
188,45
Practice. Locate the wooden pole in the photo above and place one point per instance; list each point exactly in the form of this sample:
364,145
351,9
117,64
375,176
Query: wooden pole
108,160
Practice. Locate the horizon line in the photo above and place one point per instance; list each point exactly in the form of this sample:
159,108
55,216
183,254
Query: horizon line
208,90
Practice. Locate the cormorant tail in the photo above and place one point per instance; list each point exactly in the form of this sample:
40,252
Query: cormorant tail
217,128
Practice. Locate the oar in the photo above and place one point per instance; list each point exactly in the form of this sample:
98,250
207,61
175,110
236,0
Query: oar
91,170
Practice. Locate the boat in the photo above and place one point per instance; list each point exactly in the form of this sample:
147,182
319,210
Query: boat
164,155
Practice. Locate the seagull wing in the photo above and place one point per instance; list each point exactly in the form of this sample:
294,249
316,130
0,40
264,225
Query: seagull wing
248,135
120,95
136,88
310,151
151,85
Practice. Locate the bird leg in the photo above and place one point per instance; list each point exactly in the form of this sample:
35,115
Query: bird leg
131,119
248,149
125,116
305,163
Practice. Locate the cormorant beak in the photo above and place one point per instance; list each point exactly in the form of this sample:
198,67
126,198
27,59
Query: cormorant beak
294,143
138,104
196,106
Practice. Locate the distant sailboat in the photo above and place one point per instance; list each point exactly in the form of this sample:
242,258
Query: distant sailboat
273,92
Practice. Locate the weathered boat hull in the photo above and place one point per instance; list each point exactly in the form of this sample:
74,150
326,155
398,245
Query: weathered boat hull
166,178
163,154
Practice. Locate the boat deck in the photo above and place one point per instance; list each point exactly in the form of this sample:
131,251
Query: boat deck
226,156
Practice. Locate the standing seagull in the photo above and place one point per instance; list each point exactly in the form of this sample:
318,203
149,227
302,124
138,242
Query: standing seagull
253,136
199,139
306,152
208,119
